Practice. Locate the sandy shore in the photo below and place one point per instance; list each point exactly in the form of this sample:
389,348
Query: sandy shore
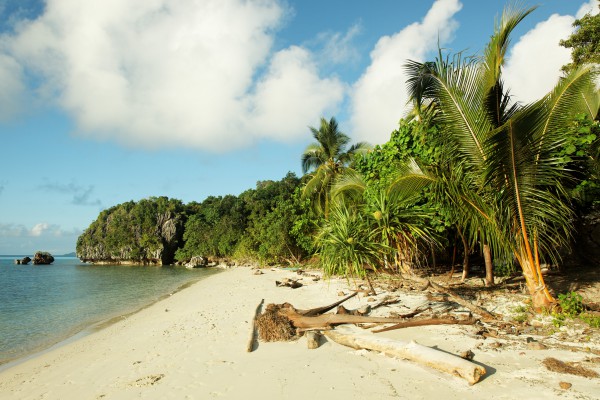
192,345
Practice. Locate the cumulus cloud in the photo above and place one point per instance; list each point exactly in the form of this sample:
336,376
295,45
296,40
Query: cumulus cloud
21,231
590,7
38,229
81,195
158,73
379,97
19,239
533,65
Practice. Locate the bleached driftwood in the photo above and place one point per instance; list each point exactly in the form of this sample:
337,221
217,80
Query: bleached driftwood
412,351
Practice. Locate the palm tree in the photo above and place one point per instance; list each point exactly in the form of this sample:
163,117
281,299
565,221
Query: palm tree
511,184
327,158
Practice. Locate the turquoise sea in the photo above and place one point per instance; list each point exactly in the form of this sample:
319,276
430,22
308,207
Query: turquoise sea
41,305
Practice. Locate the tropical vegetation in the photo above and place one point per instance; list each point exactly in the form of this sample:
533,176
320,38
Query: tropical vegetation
469,172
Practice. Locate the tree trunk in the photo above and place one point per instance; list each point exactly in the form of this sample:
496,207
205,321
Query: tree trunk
540,296
489,266
465,272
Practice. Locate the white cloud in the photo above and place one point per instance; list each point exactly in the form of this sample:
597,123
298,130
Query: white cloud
590,7
38,229
18,239
158,73
533,65
292,95
379,97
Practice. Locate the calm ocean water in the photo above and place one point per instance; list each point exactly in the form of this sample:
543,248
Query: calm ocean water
41,305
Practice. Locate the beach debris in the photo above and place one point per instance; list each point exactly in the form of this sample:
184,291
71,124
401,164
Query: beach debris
286,282
273,327
258,272
565,385
427,356
571,368
467,355
364,310
313,339
250,345
429,321
475,309
274,323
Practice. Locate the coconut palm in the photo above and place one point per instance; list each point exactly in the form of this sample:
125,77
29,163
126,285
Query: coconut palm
327,158
511,184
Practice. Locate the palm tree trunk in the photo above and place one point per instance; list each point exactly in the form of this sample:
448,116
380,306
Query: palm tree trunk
489,266
540,296
465,272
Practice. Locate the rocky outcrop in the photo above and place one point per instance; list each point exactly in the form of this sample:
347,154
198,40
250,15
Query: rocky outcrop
23,261
147,232
42,258
197,262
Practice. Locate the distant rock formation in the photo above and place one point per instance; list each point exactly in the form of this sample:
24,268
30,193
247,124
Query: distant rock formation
148,232
42,258
23,261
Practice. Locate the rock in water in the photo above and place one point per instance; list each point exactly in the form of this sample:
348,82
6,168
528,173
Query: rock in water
25,260
197,262
42,258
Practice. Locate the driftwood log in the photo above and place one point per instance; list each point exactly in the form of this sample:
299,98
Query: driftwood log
250,345
412,351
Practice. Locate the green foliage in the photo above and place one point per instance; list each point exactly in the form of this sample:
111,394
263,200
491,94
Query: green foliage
327,158
146,231
580,154
346,244
571,304
591,320
584,42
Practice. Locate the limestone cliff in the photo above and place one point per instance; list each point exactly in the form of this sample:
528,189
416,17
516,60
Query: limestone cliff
146,232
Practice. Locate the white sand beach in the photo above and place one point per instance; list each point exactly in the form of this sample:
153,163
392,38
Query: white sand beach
192,345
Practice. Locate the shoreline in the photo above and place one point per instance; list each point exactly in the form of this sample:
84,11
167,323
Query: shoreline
86,329
192,344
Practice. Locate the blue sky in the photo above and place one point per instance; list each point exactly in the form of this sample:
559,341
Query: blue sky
106,101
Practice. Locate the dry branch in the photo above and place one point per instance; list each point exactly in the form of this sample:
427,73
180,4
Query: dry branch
320,310
412,351
430,321
472,307
250,345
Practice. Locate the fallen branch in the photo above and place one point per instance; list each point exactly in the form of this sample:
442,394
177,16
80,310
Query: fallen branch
320,310
472,307
250,345
386,302
327,320
412,351
426,322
